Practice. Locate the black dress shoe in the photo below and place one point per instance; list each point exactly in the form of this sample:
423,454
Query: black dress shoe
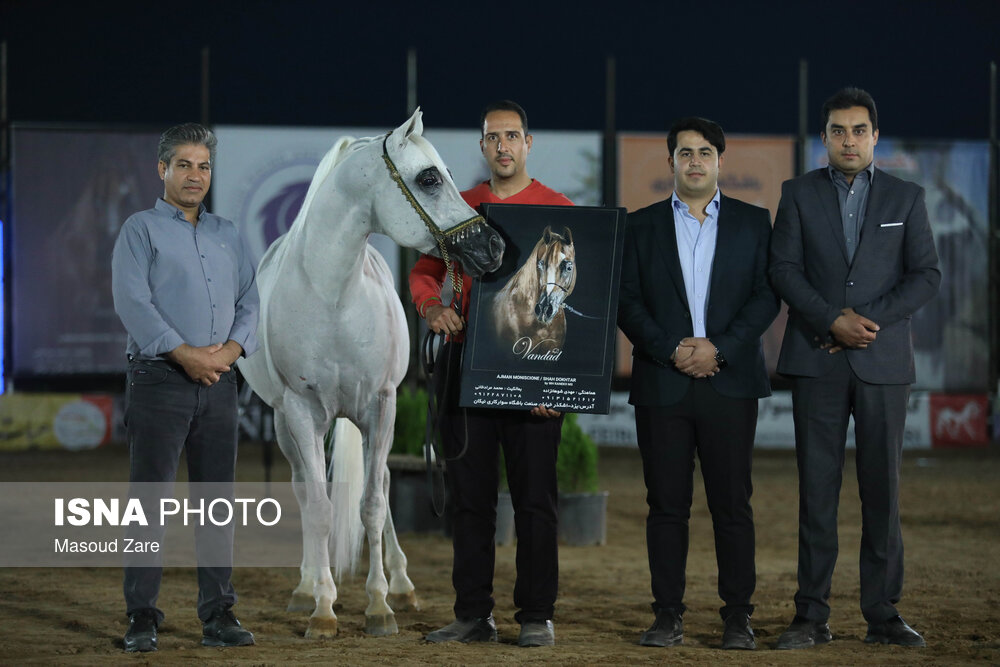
803,633
466,630
894,631
537,633
738,633
222,629
141,633
666,630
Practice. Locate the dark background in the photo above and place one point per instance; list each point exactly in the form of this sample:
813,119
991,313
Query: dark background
344,63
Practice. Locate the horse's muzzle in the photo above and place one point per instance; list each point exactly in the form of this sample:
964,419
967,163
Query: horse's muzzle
479,253
544,310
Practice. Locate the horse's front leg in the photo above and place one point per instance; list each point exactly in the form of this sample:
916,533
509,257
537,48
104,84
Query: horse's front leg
379,618
402,593
316,591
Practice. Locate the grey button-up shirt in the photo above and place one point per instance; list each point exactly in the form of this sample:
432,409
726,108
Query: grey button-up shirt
174,282
853,200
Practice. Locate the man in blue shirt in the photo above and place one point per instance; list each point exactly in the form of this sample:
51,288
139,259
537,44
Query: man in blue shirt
695,301
184,288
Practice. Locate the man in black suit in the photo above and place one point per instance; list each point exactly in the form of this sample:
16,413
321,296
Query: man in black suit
853,256
695,301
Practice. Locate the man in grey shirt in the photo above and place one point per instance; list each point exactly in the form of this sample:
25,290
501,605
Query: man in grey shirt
184,288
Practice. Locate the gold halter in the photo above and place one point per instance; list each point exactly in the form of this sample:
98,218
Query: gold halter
459,232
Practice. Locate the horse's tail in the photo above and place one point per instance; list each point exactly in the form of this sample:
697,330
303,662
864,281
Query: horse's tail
346,489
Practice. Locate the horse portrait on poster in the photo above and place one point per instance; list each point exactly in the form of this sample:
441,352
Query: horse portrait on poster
528,311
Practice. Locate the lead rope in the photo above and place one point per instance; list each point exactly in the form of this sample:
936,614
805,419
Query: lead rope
432,430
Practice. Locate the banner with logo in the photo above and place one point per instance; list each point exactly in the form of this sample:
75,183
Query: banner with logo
52,421
932,421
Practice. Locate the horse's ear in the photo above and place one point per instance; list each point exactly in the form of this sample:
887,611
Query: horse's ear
568,235
412,127
547,235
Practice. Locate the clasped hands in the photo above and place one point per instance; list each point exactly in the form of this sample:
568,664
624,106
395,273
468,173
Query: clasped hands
850,331
695,357
205,365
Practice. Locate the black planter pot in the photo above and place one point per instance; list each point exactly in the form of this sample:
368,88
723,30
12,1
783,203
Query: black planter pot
582,519
410,499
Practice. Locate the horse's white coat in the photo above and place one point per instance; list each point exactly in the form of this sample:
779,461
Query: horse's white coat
334,345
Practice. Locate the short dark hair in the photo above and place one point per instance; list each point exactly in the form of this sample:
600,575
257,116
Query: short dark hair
186,133
706,128
845,98
504,105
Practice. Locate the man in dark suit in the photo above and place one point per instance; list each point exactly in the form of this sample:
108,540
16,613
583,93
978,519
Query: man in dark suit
853,256
695,301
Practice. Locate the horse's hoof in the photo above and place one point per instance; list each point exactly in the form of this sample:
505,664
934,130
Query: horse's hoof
404,601
321,628
301,602
380,626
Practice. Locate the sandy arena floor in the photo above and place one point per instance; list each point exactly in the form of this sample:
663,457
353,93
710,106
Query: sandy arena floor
951,523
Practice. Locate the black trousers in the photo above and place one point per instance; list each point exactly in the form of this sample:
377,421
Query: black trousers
821,408
720,430
530,445
165,411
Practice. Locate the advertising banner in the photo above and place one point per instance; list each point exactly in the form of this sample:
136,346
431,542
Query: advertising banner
541,328
72,190
931,421
47,421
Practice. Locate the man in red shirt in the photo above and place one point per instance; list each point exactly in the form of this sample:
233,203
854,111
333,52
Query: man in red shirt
530,440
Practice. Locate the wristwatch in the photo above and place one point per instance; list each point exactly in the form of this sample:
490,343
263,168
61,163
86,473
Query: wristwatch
720,360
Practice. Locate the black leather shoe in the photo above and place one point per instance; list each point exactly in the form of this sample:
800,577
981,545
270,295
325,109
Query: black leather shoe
222,629
803,633
666,630
537,633
894,631
466,630
738,633
141,633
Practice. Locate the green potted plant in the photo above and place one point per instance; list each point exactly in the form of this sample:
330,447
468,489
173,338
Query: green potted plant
582,508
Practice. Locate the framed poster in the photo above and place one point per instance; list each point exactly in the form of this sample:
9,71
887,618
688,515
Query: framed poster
541,327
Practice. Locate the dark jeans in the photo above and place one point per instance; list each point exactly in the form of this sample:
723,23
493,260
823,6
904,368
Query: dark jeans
821,407
530,445
721,431
165,411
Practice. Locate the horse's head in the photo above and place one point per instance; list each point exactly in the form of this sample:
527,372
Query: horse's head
421,208
555,262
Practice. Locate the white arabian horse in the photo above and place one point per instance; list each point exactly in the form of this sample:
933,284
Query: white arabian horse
334,345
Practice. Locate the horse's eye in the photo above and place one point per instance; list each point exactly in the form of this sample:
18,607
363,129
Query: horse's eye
541,265
567,265
429,178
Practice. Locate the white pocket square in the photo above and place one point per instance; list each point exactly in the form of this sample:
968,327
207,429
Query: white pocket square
891,224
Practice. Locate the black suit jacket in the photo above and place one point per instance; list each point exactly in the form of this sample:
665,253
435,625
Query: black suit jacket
653,309
894,272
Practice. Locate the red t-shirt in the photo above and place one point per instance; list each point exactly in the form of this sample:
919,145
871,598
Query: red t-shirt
428,274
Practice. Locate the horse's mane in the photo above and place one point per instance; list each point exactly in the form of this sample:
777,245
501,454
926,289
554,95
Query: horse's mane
337,154
344,147
526,278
